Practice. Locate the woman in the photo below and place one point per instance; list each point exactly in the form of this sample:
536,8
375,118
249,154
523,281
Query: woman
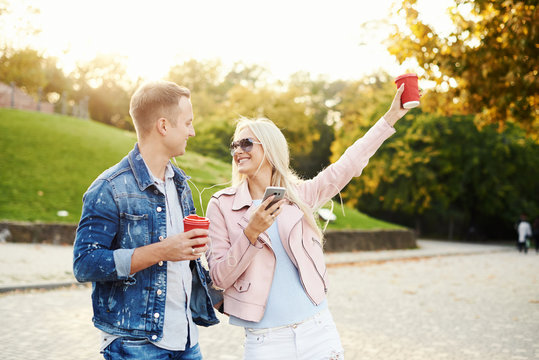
269,260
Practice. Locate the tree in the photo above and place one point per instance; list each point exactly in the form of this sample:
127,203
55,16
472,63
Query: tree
37,75
56,80
249,76
319,98
486,66
219,101
280,107
214,126
359,105
447,177
105,84
23,67
438,174
203,79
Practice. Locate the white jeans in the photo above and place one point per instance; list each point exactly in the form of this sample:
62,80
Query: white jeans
313,339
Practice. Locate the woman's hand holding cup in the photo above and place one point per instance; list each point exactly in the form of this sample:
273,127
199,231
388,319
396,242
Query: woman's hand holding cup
406,98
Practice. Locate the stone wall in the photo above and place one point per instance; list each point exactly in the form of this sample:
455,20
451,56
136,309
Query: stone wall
336,240
21,100
366,240
43,233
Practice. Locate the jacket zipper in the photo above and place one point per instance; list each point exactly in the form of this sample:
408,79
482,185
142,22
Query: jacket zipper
299,272
314,264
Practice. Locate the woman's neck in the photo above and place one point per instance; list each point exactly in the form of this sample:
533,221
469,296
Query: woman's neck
257,186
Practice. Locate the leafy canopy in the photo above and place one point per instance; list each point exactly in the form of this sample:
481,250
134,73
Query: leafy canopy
486,66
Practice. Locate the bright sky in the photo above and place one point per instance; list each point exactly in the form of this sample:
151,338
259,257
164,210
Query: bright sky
284,36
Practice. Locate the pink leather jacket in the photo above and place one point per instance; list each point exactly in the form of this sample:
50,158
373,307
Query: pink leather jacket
245,271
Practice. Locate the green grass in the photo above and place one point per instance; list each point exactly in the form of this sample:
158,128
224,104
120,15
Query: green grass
48,161
353,219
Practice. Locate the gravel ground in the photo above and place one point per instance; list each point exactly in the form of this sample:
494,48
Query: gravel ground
476,305
23,265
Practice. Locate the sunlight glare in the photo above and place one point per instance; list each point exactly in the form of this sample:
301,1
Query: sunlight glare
283,36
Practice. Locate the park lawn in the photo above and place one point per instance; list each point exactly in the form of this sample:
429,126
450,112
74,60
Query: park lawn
353,219
47,161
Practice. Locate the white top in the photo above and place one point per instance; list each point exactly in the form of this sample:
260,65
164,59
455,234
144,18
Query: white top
524,230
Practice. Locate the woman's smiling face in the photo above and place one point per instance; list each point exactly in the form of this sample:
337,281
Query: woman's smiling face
248,163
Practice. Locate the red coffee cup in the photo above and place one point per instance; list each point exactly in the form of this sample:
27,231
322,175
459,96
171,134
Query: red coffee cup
191,222
410,96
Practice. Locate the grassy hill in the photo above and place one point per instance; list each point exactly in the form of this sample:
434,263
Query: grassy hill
48,161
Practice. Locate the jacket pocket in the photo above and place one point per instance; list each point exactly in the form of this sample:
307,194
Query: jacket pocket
242,285
134,230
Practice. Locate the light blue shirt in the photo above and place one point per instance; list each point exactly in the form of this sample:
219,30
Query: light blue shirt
287,301
177,310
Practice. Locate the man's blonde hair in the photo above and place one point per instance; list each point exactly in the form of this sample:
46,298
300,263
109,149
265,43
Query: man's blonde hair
155,100
277,153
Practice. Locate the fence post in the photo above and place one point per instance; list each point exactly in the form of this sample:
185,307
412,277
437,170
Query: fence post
86,112
12,94
39,93
64,105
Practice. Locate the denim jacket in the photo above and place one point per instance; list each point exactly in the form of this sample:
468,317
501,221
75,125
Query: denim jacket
123,210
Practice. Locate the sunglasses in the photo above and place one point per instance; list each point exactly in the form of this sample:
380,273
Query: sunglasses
245,144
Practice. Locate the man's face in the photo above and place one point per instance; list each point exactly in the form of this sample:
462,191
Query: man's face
176,140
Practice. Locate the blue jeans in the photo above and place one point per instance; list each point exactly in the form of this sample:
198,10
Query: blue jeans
136,348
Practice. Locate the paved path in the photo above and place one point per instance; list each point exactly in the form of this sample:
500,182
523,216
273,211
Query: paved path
38,265
480,303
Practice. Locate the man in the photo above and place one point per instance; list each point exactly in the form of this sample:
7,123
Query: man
524,232
149,287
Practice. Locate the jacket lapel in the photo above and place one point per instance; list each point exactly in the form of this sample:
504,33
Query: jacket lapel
287,220
241,200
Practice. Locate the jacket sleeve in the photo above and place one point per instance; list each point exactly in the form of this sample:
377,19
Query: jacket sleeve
330,181
93,256
227,258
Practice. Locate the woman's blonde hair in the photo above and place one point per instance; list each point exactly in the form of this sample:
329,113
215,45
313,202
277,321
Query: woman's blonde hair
277,154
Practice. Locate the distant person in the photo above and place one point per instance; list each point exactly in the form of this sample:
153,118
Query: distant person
149,287
535,232
524,232
269,260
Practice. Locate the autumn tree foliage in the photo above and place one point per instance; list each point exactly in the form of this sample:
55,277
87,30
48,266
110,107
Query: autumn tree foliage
438,174
486,66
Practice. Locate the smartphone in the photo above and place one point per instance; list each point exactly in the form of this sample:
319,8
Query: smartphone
274,190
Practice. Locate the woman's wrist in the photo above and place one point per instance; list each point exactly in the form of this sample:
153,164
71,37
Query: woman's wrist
391,118
251,235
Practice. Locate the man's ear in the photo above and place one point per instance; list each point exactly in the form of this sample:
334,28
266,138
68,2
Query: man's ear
162,126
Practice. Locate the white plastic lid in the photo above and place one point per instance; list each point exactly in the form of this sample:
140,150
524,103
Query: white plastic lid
410,104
